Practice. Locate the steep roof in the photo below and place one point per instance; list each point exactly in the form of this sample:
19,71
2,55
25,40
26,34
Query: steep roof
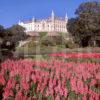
47,20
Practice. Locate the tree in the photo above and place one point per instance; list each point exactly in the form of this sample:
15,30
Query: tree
10,38
16,33
2,32
86,25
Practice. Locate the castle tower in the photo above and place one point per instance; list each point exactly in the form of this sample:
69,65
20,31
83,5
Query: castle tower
52,14
52,18
33,19
66,18
20,23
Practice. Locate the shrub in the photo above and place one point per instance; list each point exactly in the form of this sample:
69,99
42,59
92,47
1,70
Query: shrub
70,44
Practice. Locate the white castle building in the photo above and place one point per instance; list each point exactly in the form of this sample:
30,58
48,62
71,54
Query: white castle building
51,24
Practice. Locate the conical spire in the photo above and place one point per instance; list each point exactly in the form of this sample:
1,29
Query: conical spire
33,18
66,17
52,14
20,23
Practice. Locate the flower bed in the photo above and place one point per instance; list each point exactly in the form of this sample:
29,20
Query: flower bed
76,55
49,80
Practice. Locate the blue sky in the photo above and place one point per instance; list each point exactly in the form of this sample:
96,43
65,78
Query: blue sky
11,11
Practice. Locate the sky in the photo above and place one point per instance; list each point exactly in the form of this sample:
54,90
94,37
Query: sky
11,11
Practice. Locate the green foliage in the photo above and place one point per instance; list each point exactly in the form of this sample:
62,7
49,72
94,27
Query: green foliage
9,39
86,25
17,33
73,96
87,81
14,90
6,75
95,89
42,34
49,98
40,96
33,87
17,78
16,29
70,44
2,32
68,85
12,36
47,42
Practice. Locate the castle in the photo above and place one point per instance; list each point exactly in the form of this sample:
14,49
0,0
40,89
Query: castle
51,24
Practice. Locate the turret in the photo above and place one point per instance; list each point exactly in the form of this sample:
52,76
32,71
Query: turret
20,23
52,14
33,19
66,18
52,18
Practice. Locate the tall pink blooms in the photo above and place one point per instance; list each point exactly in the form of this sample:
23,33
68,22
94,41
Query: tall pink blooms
57,97
25,85
25,79
6,94
2,80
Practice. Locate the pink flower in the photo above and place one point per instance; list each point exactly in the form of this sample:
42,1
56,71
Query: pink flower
6,93
73,84
19,96
50,77
93,82
2,80
25,85
57,97
24,98
17,87
98,75
84,98
80,87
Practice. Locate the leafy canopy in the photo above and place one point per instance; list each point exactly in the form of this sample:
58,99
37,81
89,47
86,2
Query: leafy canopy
86,24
